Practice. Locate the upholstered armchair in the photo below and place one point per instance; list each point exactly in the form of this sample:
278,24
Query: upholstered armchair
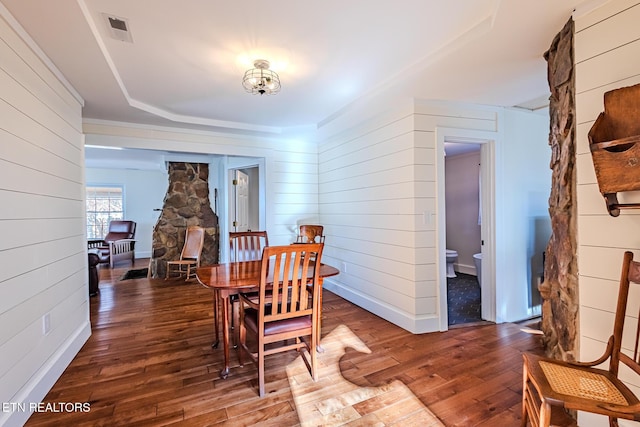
118,244
93,256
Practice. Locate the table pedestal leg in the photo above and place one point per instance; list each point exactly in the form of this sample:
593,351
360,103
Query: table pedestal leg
225,336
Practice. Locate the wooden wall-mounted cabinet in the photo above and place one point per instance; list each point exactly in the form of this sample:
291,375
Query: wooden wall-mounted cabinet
614,140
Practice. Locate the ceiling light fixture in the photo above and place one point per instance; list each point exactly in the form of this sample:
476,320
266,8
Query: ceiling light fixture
261,80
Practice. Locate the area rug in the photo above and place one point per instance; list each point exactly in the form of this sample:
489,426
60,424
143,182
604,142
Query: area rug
140,273
334,401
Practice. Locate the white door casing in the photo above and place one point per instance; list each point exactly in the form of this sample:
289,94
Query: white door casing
487,140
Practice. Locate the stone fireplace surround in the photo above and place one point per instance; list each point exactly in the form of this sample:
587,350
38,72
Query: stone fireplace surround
185,204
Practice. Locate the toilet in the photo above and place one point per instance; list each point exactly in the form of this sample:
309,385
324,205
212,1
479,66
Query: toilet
477,260
452,256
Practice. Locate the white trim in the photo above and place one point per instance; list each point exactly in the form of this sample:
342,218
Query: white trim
487,139
465,269
176,129
587,7
230,164
415,325
386,86
489,263
22,33
93,26
43,380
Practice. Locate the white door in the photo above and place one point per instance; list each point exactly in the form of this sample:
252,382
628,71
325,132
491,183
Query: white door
241,196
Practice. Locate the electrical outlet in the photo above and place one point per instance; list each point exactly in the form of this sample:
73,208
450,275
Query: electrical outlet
344,267
46,324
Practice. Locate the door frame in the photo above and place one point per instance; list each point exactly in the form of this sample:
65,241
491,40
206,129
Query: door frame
231,163
487,141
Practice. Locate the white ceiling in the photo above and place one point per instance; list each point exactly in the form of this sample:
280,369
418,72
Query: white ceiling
185,64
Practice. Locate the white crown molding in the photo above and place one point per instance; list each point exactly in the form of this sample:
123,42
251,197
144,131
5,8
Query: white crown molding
154,109
587,7
22,33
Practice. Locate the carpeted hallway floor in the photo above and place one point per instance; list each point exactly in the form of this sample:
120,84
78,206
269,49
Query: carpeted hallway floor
463,299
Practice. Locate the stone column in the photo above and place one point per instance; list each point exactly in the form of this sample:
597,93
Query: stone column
559,289
185,204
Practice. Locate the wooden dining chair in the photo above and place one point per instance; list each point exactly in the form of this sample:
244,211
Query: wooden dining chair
190,256
284,312
550,386
310,234
247,245
243,246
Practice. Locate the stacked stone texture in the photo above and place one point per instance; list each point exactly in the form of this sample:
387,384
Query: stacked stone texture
559,289
185,204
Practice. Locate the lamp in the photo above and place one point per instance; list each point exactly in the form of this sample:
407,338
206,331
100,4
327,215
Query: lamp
261,80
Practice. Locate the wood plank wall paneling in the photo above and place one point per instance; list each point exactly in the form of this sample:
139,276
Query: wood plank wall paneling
32,72
42,223
607,47
290,167
375,182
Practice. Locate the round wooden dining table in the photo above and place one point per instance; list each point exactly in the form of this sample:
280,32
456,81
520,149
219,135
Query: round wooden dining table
232,278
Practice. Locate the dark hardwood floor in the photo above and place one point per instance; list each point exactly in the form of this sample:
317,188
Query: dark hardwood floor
149,362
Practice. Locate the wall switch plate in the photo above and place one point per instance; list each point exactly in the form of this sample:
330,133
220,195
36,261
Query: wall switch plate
46,324
427,217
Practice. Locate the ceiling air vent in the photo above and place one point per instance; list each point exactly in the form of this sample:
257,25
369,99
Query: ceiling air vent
118,28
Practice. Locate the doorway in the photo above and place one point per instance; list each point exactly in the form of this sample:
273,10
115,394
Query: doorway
244,204
486,142
252,205
240,207
463,232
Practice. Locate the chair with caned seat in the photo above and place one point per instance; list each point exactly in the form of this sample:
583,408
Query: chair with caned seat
551,387
190,256
287,308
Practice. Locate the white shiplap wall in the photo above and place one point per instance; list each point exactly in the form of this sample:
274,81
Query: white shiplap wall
376,182
607,57
43,245
290,166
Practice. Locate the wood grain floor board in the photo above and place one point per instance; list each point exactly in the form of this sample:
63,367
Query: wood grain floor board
149,362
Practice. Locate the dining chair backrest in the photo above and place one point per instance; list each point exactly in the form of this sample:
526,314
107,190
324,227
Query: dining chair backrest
247,245
289,273
310,233
287,310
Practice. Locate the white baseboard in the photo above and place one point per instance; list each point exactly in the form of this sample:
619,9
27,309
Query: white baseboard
415,325
465,269
42,381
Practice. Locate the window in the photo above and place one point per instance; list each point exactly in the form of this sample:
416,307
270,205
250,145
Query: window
104,204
